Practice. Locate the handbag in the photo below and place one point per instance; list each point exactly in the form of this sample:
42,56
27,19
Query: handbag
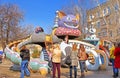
68,60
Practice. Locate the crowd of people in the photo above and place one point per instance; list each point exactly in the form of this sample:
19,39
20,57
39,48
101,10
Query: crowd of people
54,55
77,56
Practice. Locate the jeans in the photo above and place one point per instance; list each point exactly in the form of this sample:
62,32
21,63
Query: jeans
75,71
115,70
82,66
24,68
56,66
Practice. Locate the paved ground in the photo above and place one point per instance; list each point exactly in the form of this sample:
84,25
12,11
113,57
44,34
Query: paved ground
6,73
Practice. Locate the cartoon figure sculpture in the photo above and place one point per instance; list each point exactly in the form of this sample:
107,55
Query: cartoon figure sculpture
67,29
67,26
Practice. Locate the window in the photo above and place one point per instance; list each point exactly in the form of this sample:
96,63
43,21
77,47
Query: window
119,20
98,24
110,21
110,32
116,7
98,14
91,17
99,34
109,11
103,22
118,31
104,12
104,32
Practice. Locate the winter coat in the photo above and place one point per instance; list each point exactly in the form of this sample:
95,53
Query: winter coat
117,57
25,54
112,52
82,56
74,58
56,56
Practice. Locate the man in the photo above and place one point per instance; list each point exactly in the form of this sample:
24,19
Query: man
25,55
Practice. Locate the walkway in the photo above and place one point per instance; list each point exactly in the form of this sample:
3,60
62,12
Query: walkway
6,73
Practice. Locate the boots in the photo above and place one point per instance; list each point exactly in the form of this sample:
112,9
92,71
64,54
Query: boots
115,75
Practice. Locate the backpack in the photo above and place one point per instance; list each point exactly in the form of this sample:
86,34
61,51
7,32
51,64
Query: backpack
68,60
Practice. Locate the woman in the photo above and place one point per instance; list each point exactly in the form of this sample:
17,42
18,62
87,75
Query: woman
112,58
74,60
56,60
117,58
82,56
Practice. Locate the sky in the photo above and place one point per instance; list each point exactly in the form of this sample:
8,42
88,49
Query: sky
42,12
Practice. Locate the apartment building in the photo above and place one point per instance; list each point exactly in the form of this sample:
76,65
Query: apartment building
106,19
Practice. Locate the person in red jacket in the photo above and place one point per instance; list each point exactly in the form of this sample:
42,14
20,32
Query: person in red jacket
112,59
117,57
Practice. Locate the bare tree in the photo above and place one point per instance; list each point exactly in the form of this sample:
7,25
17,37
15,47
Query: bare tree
10,29
21,32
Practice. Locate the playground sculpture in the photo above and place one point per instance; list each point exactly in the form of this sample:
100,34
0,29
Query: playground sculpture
35,64
68,29
98,58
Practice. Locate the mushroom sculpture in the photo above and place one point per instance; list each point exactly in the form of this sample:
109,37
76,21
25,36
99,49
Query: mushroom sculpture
36,64
67,29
